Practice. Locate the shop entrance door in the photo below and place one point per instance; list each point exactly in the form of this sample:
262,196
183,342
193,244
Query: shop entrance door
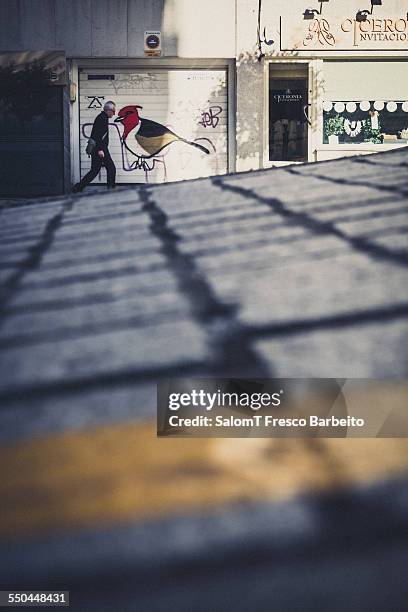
288,118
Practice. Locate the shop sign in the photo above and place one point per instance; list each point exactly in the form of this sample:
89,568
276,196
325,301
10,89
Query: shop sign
287,97
346,34
152,44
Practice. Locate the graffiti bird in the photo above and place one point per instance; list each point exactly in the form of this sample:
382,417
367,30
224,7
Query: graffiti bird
151,136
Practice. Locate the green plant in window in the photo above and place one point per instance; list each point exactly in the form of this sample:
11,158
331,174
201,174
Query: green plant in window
334,126
372,135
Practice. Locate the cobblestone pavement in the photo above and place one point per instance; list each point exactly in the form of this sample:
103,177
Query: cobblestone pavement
292,272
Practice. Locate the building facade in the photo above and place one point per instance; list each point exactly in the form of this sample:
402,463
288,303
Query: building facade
232,84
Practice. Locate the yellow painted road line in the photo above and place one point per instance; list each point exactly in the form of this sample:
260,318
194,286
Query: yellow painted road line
124,473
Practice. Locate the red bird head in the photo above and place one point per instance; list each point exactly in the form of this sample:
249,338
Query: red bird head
129,116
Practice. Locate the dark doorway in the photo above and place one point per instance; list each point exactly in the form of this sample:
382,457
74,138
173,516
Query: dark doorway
32,150
288,124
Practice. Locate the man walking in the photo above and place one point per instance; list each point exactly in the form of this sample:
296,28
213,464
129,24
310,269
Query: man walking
100,155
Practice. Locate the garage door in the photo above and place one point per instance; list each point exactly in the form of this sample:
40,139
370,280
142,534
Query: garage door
172,123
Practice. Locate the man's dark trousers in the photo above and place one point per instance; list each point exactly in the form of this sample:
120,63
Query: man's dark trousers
96,165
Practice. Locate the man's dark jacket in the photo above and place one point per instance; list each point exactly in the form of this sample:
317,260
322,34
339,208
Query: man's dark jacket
100,131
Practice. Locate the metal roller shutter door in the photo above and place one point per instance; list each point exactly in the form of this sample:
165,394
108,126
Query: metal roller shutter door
193,104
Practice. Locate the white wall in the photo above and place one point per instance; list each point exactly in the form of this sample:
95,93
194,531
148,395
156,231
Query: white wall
115,28
249,88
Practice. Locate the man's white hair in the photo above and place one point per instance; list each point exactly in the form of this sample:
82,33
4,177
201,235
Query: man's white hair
109,106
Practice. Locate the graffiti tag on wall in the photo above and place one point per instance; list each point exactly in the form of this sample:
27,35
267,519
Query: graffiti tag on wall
135,81
210,117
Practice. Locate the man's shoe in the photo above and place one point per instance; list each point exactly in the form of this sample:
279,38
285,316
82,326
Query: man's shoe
77,188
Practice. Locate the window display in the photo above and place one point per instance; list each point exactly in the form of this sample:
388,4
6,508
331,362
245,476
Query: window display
369,121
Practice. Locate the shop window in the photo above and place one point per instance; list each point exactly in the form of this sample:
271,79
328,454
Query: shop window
365,121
